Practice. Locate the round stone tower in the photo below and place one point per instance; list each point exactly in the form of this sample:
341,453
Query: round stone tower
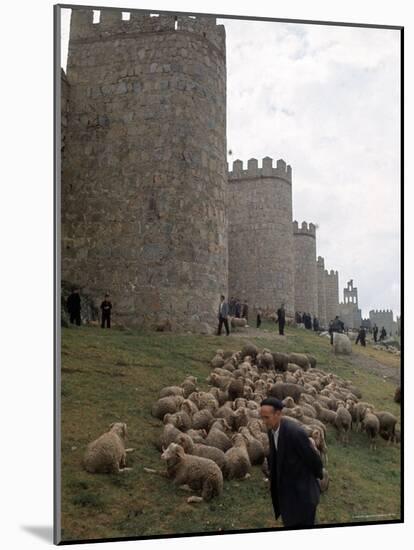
260,234
306,278
331,294
144,173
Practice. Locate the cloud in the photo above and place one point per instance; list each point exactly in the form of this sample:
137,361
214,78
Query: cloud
326,99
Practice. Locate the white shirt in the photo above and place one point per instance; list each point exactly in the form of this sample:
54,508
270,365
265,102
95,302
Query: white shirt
276,436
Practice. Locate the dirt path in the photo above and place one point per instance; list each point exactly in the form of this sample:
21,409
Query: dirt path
372,365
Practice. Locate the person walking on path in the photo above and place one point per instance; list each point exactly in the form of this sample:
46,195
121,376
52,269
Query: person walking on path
295,466
73,304
361,336
106,308
375,332
281,319
223,313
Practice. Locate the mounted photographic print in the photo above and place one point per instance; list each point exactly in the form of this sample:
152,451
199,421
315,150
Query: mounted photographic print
228,274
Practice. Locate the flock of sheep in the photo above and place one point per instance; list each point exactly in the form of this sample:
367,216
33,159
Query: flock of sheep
209,436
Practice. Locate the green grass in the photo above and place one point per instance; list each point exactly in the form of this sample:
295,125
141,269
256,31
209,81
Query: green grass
114,375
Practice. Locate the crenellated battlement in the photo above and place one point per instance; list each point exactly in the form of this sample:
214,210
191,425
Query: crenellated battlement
267,170
305,229
380,311
331,273
111,23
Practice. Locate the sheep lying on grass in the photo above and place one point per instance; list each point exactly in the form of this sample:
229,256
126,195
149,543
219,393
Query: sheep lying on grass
198,473
107,454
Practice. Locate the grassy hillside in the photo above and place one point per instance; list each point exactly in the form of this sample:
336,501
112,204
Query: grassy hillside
114,375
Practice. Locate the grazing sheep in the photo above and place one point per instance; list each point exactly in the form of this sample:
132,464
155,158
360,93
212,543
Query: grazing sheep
189,407
236,460
265,360
217,438
204,400
387,424
107,454
300,359
165,405
312,360
318,437
221,382
255,448
343,422
282,390
236,389
359,411
249,350
371,425
197,436
325,415
220,396
299,414
189,385
281,361
241,418
217,361
200,474
180,420
202,419
171,390
169,435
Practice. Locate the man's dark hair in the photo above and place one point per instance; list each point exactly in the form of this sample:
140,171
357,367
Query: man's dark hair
273,402
106,295
222,296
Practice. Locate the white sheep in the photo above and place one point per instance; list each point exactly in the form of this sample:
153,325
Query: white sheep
107,454
236,460
198,473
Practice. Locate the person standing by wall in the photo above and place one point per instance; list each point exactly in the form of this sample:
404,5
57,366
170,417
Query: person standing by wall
106,308
295,466
222,315
245,311
73,304
259,318
375,332
281,319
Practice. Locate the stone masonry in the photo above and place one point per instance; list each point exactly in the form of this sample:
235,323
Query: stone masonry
320,267
306,277
144,177
260,235
149,211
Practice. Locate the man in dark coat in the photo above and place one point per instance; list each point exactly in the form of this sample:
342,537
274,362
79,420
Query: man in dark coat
361,336
281,319
375,332
383,334
245,311
294,467
73,304
223,313
106,308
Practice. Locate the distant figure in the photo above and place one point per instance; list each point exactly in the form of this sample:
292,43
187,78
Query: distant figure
298,317
361,336
383,334
259,318
281,319
375,332
315,324
245,311
106,307
73,304
237,309
308,323
232,306
223,313
335,326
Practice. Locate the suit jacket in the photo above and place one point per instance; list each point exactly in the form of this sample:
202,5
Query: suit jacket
293,470
225,311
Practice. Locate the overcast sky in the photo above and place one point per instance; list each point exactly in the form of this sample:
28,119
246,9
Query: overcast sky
326,100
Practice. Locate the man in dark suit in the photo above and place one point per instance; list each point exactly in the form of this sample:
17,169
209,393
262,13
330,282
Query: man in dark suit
281,319
73,305
223,313
294,466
